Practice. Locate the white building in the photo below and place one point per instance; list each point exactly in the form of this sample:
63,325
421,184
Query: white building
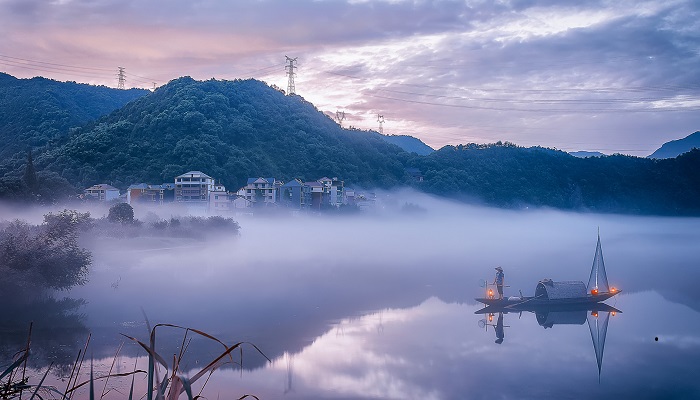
193,187
264,190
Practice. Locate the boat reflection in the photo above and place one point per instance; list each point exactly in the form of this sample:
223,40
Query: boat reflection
596,315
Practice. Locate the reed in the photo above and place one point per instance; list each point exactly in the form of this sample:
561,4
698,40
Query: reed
172,384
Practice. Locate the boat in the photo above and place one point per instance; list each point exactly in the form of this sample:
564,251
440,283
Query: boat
564,293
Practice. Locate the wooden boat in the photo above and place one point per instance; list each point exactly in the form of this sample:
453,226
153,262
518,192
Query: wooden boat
550,293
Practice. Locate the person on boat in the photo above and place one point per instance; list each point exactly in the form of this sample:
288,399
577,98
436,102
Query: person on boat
500,334
498,281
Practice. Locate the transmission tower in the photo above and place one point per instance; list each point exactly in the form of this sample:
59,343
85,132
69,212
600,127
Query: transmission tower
121,78
380,119
290,72
340,116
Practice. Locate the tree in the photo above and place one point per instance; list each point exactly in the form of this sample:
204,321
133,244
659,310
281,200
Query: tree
30,178
45,256
122,213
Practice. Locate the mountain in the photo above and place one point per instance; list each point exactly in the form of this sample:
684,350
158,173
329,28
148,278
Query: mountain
409,144
35,111
232,130
506,175
676,147
585,154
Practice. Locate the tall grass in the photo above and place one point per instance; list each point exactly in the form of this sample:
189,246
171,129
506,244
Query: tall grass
166,380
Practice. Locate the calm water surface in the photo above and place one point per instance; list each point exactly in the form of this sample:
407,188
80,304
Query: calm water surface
383,306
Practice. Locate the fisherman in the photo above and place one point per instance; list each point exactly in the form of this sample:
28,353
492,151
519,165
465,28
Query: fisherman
500,334
498,281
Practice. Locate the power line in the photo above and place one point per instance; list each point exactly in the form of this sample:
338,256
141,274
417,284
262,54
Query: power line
534,110
55,70
55,64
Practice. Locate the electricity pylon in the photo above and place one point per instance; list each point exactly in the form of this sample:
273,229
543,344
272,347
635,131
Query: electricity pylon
340,116
120,78
290,72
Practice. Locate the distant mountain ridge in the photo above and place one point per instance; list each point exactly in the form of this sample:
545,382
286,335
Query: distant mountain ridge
584,154
410,144
674,148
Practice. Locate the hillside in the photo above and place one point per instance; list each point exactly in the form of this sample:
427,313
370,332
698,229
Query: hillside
675,148
34,111
409,144
232,130
509,176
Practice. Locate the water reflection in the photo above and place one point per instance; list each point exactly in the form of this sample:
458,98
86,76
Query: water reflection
597,316
56,325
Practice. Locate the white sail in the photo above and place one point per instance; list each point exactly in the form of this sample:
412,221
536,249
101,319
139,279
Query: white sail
598,325
598,279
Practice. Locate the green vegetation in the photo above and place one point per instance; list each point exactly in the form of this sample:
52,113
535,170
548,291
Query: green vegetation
121,213
38,110
36,114
45,256
233,130
510,176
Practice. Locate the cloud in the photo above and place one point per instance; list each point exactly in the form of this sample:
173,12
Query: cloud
560,74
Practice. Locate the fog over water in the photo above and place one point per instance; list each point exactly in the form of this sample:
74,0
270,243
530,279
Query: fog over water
381,304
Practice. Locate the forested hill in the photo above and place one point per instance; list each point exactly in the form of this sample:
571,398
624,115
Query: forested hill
34,111
510,176
232,130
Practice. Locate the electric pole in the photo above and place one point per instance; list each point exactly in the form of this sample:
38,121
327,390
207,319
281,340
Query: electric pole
340,116
290,72
380,119
121,78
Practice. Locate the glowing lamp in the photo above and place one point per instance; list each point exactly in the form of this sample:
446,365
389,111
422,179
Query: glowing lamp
490,292
613,313
613,290
490,317
594,291
594,313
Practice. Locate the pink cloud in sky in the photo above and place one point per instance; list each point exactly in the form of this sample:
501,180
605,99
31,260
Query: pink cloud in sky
617,77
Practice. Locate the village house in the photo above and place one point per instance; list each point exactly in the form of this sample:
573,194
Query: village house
292,194
261,191
193,187
152,194
102,192
199,192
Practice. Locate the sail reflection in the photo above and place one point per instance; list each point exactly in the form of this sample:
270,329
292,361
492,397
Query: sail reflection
596,315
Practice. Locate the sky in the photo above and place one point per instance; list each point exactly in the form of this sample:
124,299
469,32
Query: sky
618,76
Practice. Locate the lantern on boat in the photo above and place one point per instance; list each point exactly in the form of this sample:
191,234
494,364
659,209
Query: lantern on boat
594,291
490,293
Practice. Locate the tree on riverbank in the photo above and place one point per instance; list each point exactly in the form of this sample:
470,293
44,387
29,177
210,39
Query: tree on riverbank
46,256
